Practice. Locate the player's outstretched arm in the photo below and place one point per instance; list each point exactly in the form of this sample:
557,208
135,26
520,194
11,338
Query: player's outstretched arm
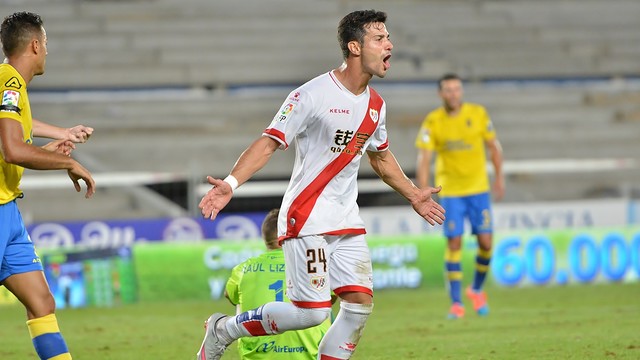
386,166
76,134
254,158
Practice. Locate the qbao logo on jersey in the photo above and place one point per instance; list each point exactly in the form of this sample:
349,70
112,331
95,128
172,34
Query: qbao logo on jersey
342,138
373,113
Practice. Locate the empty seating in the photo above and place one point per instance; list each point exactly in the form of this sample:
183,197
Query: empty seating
184,87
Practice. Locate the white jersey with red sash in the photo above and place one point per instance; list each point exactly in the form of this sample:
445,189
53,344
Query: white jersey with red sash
331,129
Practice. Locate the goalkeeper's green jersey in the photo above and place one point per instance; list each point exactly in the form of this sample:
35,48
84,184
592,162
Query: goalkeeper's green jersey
260,280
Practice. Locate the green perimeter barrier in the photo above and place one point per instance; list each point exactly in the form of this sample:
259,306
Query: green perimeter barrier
200,271
174,271
171,271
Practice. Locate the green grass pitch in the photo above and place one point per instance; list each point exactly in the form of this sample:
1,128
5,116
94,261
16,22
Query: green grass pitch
570,322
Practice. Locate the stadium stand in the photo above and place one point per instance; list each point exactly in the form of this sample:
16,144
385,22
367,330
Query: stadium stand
182,88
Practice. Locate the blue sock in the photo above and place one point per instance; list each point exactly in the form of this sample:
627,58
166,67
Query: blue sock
482,267
47,339
453,270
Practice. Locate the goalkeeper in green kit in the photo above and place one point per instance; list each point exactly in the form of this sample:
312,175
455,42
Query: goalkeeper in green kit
259,280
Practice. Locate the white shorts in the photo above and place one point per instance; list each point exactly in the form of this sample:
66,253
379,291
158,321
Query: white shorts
318,264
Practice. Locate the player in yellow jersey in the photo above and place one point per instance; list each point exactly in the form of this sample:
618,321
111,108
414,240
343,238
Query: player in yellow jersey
259,280
458,132
24,43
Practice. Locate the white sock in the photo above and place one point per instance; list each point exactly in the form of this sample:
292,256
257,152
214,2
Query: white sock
274,318
345,332
221,330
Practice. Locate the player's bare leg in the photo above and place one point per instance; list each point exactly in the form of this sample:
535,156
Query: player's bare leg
33,292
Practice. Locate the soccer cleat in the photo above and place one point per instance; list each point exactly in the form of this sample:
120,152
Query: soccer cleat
456,311
479,300
212,346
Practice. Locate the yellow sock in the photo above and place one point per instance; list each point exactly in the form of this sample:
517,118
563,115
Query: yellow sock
47,339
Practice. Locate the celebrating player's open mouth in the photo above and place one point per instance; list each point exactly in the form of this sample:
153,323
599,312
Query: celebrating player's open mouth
386,62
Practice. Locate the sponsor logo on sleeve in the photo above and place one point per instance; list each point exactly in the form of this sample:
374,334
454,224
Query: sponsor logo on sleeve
10,99
285,112
425,136
13,83
295,97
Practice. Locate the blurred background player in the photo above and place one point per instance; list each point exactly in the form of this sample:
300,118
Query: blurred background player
262,279
458,133
333,120
24,43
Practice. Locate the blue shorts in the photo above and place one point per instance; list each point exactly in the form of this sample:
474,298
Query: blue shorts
476,208
17,250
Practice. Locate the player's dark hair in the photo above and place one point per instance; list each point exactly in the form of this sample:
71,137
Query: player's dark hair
353,27
270,229
18,29
447,77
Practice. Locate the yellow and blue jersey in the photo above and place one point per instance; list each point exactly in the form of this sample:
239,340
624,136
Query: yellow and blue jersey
459,141
255,282
14,105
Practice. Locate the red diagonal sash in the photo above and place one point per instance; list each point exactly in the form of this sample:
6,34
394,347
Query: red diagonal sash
303,204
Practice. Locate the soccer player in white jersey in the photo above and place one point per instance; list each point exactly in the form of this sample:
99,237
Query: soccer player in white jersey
332,120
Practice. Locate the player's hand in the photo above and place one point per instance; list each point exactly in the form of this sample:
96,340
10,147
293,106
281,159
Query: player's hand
78,172
216,198
426,207
62,147
79,133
